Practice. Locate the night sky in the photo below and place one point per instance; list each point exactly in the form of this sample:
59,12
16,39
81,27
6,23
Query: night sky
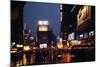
42,11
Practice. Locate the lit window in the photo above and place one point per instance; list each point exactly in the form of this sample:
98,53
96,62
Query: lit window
43,22
43,28
39,22
71,36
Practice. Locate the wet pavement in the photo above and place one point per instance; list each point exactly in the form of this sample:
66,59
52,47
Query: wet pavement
54,56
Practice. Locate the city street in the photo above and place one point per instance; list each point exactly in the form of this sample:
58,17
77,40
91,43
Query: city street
76,54
47,33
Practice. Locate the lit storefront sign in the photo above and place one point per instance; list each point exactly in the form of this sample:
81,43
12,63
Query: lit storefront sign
43,45
13,50
91,33
59,45
26,48
74,42
71,36
83,15
85,35
81,36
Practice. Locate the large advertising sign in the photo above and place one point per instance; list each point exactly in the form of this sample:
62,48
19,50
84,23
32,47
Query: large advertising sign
83,14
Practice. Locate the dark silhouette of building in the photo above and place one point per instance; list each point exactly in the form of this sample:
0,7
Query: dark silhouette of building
16,29
45,34
68,23
17,21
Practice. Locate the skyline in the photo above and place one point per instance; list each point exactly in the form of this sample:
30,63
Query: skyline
33,12
41,46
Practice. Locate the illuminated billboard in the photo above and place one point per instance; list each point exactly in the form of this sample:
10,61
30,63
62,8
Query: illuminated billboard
71,36
83,14
47,33
85,35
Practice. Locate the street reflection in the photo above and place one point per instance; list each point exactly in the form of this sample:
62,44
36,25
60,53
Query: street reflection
54,55
24,59
66,57
50,38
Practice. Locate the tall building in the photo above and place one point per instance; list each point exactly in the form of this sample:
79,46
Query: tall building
16,31
68,21
43,33
29,38
17,21
26,34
